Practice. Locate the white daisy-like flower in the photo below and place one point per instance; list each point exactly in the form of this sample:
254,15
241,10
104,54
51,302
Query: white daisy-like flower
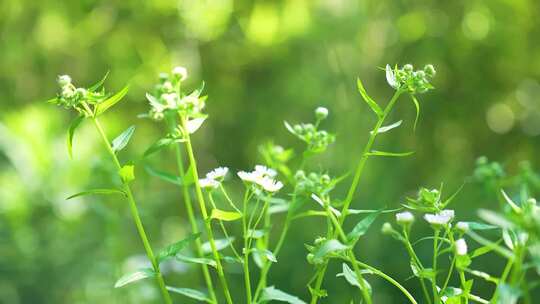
170,100
218,173
461,247
440,219
404,217
269,184
247,176
208,183
180,72
264,171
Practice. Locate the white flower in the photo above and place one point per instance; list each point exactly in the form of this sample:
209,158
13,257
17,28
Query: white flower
269,184
170,100
461,247
440,219
68,92
208,183
247,176
321,113
264,171
64,80
217,173
462,226
404,217
180,72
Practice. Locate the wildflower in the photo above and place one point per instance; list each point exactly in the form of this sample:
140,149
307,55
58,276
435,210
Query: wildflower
208,183
218,173
440,219
262,176
68,92
461,247
270,185
180,73
64,80
264,171
404,218
462,226
321,113
247,176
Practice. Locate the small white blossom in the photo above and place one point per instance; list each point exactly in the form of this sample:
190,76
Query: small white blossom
321,113
461,247
170,100
208,183
167,86
217,173
264,171
64,80
440,219
404,217
462,226
269,184
68,92
247,176
180,72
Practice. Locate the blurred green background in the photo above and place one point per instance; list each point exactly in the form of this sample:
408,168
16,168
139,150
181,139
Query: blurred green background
263,62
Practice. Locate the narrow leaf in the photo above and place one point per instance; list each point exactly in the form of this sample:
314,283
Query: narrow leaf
98,84
173,249
352,279
391,154
97,191
111,101
134,277
362,227
225,215
511,202
272,293
289,128
391,77
417,107
194,260
389,127
160,144
168,177
328,247
122,140
371,103
71,131
266,253
220,244
194,124
191,293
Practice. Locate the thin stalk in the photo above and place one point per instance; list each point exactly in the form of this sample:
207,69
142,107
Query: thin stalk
359,171
202,206
436,299
245,251
193,222
418,262
502,280
136,216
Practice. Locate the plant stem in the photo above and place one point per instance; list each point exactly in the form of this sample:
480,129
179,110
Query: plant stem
418,262
136,216
245,251
359,171
193,222
436,298
202,206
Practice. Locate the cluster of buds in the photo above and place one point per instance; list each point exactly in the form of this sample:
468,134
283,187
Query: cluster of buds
214,178
316,140
167,96
428,200
73,97
486,171
262,177
407,78
316,183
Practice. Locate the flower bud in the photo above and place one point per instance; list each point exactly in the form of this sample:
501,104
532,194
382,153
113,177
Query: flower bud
462,227
404,218
387,228
180,73
408,68
64,80
430,70
321,113
68,92
461,247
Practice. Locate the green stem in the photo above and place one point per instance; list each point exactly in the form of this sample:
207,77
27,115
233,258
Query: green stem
202,206
360,169
436,299
418,262
502,280
193,222
136,216
245,251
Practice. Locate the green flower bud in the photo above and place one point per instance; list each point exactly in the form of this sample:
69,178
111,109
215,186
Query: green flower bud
430,70
408,68
64,80
321,113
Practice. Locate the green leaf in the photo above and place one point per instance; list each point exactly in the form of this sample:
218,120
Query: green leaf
194,260
289,128
127,173
160,144
417,107
463,261
480,226
266,253
327,248
482,250
173,249
168,177
256,234
111,101
122,140
134,277
362,226
71,131
97,191
371,103
389,127
191,293
351,277
220,244
426,273
98,84
273,294
391,77
225,215
495,219
391,154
